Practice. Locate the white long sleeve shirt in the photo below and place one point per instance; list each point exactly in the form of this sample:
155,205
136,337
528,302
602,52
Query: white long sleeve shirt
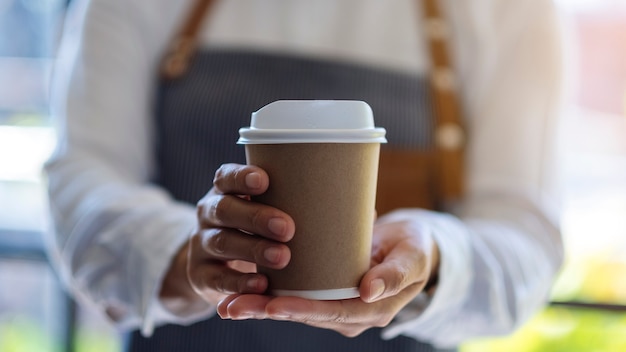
116,233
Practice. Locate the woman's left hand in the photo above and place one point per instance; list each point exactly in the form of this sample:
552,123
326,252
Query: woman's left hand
404,258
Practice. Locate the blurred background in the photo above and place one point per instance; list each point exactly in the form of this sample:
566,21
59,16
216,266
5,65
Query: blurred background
588,312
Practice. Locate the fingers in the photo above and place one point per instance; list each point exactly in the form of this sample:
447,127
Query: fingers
211,252
348,317
226,221
234,212
223,206
228,244
240,179
405,261
211,277
314,312
405,265
239,307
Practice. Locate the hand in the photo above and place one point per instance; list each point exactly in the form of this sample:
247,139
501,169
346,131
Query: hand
404,258
233,235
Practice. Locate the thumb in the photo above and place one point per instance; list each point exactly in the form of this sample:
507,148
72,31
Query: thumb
407,264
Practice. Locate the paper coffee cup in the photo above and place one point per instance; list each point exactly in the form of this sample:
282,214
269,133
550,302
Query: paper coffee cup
322,160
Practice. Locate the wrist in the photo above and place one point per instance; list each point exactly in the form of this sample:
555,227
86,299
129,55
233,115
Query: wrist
176,294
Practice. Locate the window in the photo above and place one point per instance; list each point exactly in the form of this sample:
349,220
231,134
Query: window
35,313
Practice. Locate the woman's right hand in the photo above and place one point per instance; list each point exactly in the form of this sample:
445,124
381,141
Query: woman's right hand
233,235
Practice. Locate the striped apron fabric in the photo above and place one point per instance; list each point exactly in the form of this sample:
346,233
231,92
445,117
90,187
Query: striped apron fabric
198,118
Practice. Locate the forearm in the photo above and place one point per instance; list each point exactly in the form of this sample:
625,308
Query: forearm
494,273
114,239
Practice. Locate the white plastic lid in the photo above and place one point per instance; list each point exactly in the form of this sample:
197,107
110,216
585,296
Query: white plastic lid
312,121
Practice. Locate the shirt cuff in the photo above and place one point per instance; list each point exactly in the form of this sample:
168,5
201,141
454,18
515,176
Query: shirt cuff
154,258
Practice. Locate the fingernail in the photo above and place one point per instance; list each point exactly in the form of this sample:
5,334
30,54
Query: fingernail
272,254
253,180
377,288
253,283
277,225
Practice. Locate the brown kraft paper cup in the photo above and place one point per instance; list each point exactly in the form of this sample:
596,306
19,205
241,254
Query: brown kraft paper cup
329,189
322,161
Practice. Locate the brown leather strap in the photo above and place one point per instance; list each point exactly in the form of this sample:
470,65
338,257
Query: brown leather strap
449,130
181,49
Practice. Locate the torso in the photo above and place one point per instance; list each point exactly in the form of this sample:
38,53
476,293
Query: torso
198,118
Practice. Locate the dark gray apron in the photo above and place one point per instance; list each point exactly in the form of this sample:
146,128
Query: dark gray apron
198,118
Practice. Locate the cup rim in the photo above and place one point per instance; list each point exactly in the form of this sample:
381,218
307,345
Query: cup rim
251,135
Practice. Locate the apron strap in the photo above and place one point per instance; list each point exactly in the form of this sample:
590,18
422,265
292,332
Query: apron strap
182,48
449,128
